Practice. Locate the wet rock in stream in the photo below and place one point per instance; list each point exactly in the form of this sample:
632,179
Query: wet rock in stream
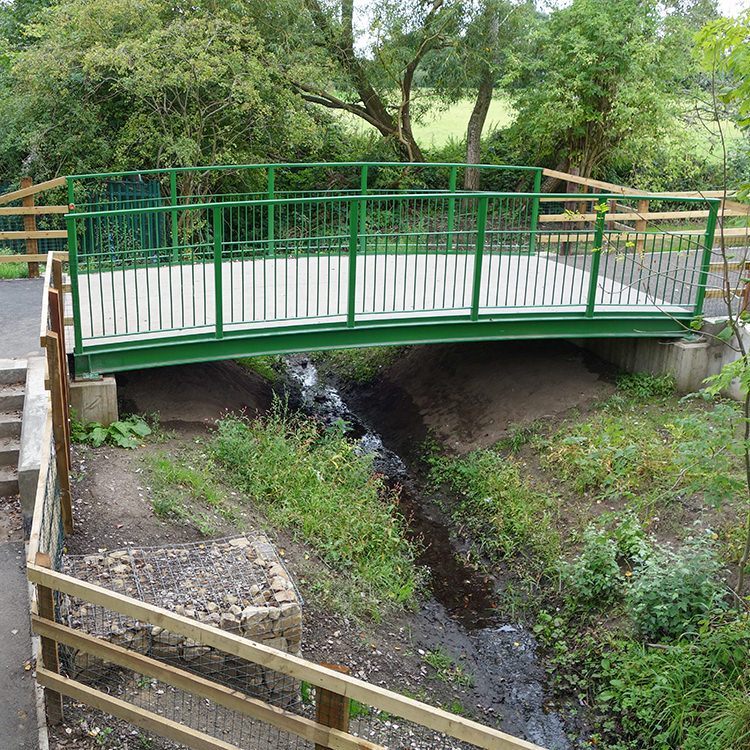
507,680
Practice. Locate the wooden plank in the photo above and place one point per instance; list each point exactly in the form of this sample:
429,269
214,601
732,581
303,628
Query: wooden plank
300,669
33,190
23,258
32,210
50,234
631,216
41,488
128,712
44,324
59,423
58,326
609,187
736,209
29,226
50,658
730,266
331,709
713,293
200,686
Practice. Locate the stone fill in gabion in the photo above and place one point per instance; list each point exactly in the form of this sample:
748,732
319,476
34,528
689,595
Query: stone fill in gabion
238,584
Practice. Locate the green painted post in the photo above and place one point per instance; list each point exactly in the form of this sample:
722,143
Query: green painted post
354,211
363,213
535,211
596,258
173,202
451,210
271,206
708,244
218,286
478,254
73,261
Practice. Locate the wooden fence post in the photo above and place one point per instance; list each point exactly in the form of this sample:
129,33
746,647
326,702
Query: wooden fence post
50,658
29,225
60,427
331,709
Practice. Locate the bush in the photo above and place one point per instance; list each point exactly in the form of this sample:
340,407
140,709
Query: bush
644,386
673,591
595,574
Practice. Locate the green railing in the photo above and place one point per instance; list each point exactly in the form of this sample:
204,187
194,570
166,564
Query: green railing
336,262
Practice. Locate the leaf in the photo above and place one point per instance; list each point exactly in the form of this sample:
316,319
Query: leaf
140,428
726,333
97,436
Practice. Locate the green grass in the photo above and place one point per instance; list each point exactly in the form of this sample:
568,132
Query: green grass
358,365
441,124
318,484
15,270
499,510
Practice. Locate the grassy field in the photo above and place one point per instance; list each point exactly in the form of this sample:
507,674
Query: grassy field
440,125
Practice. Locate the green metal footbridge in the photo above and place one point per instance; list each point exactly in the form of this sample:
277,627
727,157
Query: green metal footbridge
187,265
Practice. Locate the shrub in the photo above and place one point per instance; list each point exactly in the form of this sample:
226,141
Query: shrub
673,591
595,574
644,386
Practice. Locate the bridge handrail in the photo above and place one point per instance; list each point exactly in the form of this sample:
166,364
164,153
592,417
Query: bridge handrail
463,195
290,165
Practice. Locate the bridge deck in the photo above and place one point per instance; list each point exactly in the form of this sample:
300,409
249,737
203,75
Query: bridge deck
122,305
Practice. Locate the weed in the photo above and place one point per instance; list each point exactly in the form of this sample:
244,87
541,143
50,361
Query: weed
269,366
357,365
520,435
595,575
125,433
643,386
447,669
16,270
673,591
501,512
318,483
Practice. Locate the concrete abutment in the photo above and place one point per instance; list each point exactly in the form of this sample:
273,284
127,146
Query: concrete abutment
94,399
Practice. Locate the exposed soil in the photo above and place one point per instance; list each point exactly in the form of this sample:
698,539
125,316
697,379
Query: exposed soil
468,394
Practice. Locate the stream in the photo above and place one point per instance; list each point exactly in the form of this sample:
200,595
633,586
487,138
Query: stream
508,680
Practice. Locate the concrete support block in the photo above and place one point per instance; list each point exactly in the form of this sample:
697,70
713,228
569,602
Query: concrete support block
94,400
36,404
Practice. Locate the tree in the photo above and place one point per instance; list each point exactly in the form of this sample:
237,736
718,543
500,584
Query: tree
597,81
726,47
129,84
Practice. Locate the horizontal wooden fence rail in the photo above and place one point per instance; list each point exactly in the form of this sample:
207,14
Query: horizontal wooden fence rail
279,661
33,189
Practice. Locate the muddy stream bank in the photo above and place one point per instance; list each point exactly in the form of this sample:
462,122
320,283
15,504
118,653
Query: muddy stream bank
508,681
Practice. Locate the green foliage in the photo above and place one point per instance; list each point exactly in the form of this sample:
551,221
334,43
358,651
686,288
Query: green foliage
499,510
650,452
673,591
319,484
595,575
358,365
125,433
687,694
14,270
447,668
596,83
269,366
644,386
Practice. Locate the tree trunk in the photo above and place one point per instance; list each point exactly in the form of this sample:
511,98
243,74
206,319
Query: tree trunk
481,107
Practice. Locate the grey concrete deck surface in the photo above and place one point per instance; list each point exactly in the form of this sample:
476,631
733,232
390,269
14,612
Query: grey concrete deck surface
20,314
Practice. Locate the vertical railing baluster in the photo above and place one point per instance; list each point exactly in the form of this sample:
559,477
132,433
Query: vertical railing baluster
173,202
74,289
535,211
478,254
596,257
451,210
354,212
362,217
708,244
271,206
218,286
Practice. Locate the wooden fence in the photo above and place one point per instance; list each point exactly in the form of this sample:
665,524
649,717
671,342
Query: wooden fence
30,211
328,727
